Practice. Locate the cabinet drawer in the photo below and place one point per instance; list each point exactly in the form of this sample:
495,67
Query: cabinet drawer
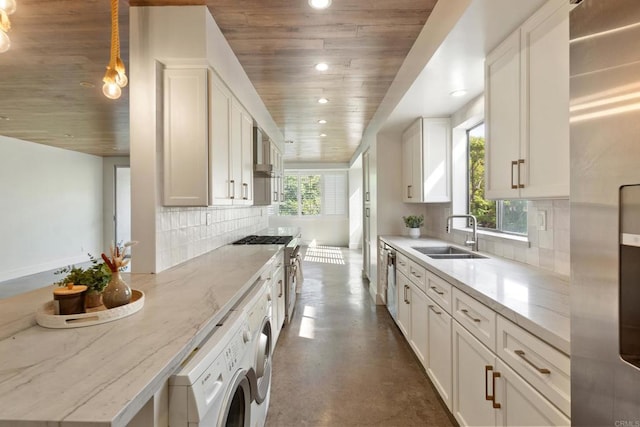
439,291
544,367
418,275
477,318
402,264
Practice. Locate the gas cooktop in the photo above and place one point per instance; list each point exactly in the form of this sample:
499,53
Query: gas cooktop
264,240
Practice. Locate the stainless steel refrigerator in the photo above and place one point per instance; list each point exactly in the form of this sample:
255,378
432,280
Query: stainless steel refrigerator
605,213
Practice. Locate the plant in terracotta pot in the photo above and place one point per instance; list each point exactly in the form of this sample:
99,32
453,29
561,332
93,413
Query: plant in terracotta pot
414,222
95,278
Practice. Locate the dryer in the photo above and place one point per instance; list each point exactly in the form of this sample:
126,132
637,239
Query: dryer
213,387
259,309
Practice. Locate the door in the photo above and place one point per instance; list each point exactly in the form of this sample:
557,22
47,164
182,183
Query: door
419,323
521,404
473,368
247,158
502,110
439,364
235,164
122,216
219,121
404,305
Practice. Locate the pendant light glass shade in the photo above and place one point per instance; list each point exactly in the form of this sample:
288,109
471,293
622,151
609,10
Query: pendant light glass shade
5,42
9,6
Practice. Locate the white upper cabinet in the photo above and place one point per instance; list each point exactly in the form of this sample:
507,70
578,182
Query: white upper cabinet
527,109
186,133
220,155
426,160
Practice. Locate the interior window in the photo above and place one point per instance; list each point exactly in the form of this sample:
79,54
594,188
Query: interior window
314,193
509,216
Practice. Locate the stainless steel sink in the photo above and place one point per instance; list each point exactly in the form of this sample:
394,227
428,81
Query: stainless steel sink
447,252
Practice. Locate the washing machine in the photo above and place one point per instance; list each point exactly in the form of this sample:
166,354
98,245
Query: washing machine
213,388
259,309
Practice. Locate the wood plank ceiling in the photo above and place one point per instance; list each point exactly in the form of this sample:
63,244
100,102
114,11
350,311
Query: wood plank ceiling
56,46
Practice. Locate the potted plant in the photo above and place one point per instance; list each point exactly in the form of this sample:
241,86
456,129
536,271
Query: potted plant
95,278
414,222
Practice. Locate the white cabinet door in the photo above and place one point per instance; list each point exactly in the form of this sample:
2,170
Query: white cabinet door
278,307
527,109
404,307
545,93
219,155
235,150
185,147
365,176
419,309
521,404
502,116
436,149
473,368
246,173
439,364
411,163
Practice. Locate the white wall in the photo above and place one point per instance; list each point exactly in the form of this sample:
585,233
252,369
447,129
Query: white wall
326,230
51,207
355,204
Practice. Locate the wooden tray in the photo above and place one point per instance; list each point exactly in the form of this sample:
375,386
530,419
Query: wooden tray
94,316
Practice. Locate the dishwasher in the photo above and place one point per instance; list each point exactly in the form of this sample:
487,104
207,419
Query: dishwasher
391,294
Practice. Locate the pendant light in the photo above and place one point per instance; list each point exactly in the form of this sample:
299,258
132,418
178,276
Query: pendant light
114,78
7,7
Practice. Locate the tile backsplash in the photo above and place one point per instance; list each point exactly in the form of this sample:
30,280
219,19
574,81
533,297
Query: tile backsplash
184,233
548,248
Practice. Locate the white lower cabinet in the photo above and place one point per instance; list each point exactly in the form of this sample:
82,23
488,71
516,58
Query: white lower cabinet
419,309
404,306
520,404
472,372
438,361
487,370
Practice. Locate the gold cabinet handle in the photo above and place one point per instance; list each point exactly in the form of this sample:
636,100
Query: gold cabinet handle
487,396
541,370
520,162
437,291
409,191
245,191
466,313
280,283
232,188
434,310
493,382
514,163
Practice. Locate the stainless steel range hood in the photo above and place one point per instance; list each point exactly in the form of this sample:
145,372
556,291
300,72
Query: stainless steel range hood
261,154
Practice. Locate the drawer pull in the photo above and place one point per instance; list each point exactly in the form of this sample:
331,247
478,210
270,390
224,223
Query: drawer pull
416,275
541,370
466,312
434,310
437,291
493,382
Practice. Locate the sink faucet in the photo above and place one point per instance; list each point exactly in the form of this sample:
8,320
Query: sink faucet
473,243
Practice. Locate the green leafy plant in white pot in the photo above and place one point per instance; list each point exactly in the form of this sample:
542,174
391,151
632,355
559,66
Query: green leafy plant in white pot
413,223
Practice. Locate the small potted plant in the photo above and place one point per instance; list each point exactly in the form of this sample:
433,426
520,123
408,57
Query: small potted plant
95,278
414,222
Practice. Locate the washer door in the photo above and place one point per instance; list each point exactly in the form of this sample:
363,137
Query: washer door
236,408
263,361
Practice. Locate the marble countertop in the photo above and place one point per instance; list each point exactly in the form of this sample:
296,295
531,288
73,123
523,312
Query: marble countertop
103,375
535,299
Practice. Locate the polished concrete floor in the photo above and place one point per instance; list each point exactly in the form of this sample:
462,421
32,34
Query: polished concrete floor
343,361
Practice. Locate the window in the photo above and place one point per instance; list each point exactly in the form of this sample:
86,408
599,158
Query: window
314,193
509,216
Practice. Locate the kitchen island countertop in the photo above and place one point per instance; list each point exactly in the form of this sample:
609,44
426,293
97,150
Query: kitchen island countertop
535,299
103,375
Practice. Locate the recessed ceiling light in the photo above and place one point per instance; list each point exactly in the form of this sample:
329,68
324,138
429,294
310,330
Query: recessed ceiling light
87,84
319,4
323,66
322,122
458,93
323,100
68,135
4,118
323,135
